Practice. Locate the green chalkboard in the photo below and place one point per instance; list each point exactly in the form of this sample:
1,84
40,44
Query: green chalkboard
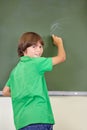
65,18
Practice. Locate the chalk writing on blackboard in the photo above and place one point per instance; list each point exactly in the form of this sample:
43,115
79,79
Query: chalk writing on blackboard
56,27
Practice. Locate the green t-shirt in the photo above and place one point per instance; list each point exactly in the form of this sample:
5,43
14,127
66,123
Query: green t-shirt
30,100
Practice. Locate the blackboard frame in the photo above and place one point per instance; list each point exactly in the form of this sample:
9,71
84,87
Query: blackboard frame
59,23
63,93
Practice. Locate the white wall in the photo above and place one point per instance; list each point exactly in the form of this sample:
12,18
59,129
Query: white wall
6,114
70,113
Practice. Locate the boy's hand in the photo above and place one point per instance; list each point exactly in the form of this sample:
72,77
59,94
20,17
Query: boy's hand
57,40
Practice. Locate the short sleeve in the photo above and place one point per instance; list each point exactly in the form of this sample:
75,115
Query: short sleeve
8,82
44,64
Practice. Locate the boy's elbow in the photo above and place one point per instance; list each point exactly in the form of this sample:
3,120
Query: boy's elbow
6,94
63,59
6,91
58,59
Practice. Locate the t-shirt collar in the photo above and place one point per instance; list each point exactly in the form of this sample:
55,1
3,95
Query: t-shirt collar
25,58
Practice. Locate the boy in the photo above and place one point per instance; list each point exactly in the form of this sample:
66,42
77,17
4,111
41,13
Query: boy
27,86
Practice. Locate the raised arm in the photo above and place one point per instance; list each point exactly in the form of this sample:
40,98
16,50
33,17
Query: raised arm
61,55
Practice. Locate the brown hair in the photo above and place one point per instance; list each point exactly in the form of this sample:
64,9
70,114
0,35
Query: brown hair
28,39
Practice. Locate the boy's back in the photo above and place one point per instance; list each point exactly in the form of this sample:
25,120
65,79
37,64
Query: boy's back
29,92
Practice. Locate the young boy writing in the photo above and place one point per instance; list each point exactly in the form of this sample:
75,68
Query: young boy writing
27,85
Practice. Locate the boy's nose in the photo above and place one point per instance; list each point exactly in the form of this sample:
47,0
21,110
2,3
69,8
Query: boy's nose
38,48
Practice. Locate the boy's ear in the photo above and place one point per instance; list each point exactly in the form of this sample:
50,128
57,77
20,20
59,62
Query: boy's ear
25,52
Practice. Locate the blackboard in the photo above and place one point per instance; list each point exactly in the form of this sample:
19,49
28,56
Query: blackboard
65,18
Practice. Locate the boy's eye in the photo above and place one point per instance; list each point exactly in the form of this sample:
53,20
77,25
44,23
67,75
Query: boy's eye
40,46
33,46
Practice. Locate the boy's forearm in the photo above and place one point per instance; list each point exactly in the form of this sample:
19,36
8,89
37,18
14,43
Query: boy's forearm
61,55
61,52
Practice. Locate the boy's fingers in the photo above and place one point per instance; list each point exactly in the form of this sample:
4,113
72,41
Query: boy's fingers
52,35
